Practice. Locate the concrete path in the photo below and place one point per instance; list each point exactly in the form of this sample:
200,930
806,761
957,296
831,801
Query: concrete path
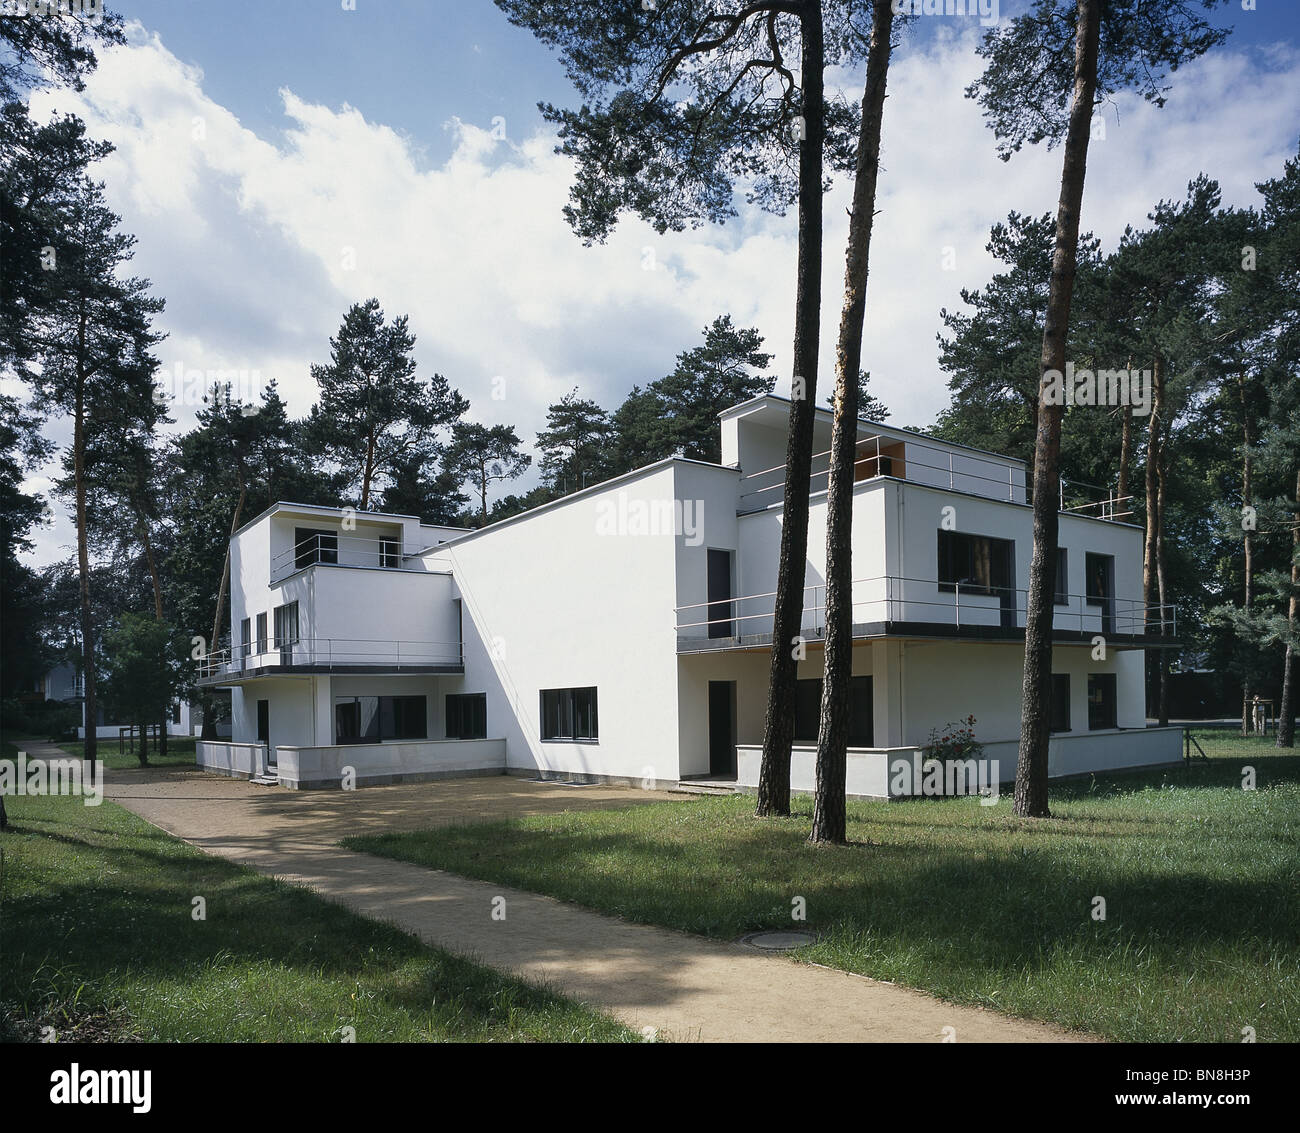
681,987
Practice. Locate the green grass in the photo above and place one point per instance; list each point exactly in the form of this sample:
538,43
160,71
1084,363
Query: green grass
180,753
1202,929
97,941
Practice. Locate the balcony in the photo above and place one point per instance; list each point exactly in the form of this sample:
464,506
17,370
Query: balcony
328,549
331,655
934,467
899,606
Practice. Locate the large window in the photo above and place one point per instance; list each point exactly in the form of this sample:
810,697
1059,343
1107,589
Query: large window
978,563
569,714
1101,701
313,546
371,719
808,710
467,716
286,631
1060,702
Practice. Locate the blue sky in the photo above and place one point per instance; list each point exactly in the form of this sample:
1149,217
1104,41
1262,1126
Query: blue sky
281,159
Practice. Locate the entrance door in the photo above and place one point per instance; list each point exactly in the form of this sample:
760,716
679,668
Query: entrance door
722,727
719,586
264,727
1100,570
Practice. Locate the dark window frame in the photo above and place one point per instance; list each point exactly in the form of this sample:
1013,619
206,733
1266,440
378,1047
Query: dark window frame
561,711
310,548
1062,586
261,633
245,637
392,717
1060,721
466,716
807,703
1103,713
957,556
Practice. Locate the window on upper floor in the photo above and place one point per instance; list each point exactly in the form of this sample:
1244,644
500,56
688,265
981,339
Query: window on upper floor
261,633
979,563
245,637
1062,577
314,546
286,624
569,714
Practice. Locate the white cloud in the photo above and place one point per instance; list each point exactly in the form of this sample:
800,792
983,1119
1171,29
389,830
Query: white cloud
249,239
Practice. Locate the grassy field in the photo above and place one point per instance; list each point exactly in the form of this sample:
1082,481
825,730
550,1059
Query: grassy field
98,942
180,753
1201,936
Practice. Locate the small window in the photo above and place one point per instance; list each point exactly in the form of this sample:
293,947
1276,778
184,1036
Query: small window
467,716
1060,702
176,713
569,714
261,633
245,637
1062,577
312,546
808,711
1101,701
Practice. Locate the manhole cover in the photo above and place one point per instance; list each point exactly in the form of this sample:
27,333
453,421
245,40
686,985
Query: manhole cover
778,941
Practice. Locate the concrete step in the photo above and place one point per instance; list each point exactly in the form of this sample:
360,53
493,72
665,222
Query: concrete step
698,787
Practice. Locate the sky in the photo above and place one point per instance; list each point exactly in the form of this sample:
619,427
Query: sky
279,160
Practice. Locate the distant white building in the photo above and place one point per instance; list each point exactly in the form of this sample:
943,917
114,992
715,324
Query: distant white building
623,632
66,684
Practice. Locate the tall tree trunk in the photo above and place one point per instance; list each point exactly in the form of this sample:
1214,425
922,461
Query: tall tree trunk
143,528
787,615
1125,459
1286,710
829,820
369,470
1248,540
90,703
1152,485
209,731
1162,704
1036,707
143,755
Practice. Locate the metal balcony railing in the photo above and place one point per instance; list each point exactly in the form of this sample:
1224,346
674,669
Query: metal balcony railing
899,598
966,472
330,653
340,550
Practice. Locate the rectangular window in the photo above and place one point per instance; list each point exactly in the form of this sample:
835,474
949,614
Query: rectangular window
245,637
1062,577
176,713
719,589
569,714
286,631
977,563
467,716
371,719
808,711
313,546
1101,701
261,633
1060,702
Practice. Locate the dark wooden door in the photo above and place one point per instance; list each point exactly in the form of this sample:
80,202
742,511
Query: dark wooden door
719,586
722,727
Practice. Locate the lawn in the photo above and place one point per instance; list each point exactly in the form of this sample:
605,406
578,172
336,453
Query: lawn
98,941
1201,934
180,753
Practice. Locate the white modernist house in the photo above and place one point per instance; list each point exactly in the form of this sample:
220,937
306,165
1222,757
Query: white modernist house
623,633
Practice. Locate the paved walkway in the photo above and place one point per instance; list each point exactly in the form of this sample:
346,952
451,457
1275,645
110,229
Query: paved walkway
684,987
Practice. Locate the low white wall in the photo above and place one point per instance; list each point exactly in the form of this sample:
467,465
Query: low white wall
871,774
307,767
228,758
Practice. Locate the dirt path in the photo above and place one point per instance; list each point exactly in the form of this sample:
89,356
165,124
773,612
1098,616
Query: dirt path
682,987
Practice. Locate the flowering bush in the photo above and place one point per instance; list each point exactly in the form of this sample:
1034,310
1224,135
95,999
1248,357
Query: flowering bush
956,741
